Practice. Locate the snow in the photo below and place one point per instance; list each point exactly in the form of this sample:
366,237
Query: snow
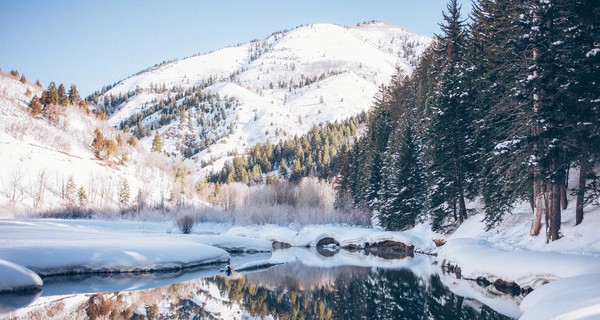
35,153
52,248
310,235
525,267
354,62
571,298
564,273
16,278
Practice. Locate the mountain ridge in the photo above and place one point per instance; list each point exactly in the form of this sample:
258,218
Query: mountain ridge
277,87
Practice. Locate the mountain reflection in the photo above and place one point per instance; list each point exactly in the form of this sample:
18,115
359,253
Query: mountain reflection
288,291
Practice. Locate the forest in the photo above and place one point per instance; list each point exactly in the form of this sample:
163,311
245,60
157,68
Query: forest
502,108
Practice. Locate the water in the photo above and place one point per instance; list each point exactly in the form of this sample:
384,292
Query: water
308,286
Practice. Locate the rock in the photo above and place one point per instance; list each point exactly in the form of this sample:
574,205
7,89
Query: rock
507,287
281,245
327,241
390,249
352,247
439,242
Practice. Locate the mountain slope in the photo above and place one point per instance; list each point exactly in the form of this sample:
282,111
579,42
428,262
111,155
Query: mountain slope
233,98
39,157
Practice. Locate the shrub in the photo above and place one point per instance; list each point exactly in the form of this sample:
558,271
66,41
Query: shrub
185,223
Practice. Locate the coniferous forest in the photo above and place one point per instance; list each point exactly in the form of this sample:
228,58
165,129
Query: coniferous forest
502,108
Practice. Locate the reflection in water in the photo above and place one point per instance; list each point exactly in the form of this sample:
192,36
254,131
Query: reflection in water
289,291
12,302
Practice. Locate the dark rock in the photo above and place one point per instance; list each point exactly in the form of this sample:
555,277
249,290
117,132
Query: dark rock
483,281
507,287
352,247
439,242
281,245
327,252
327,241
389,249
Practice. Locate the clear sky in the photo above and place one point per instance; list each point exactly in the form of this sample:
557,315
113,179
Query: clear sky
92,43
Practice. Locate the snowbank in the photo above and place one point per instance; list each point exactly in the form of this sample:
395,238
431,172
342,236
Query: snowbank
570,298
17,278
480,258
310,235
52,248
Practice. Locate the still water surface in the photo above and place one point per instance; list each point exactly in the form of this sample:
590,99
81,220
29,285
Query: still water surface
324,289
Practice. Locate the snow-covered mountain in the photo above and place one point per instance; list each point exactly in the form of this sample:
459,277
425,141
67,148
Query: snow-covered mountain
209,107
39,158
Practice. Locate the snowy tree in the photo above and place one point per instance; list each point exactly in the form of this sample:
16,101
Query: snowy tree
451,140
70,192
124,194
82,198
403,191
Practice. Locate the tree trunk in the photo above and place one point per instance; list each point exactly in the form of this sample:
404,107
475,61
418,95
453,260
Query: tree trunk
583,168
554,212
564,202
462,208
538,207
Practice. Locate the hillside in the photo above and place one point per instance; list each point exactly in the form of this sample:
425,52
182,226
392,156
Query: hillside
210,107
38,158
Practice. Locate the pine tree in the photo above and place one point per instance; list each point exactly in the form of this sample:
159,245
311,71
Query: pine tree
74,95
82,198
403,192
452,152
124,194
63,100
157,143
70,192
52,96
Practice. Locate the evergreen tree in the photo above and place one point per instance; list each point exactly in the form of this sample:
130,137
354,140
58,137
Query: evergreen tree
52,96
70,192
74,95
63,100
157,143
403,191
452,155
82,198
124,194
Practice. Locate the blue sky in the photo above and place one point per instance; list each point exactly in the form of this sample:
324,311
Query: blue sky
92,43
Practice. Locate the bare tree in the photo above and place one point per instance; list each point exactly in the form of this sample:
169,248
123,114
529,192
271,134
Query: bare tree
37,187
13,187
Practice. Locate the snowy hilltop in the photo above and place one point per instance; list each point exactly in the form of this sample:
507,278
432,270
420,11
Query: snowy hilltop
212,106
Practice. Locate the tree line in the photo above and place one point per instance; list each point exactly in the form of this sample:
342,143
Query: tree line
501,108
310,155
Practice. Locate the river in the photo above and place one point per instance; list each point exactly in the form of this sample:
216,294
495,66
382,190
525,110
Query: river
309,285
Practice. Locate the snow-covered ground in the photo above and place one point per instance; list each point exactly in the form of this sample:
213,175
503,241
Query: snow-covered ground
55,247
570,265
563,273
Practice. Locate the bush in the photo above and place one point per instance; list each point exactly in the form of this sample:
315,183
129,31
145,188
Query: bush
185,223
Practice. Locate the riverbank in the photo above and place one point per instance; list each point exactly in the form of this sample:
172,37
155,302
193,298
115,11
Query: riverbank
506,253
